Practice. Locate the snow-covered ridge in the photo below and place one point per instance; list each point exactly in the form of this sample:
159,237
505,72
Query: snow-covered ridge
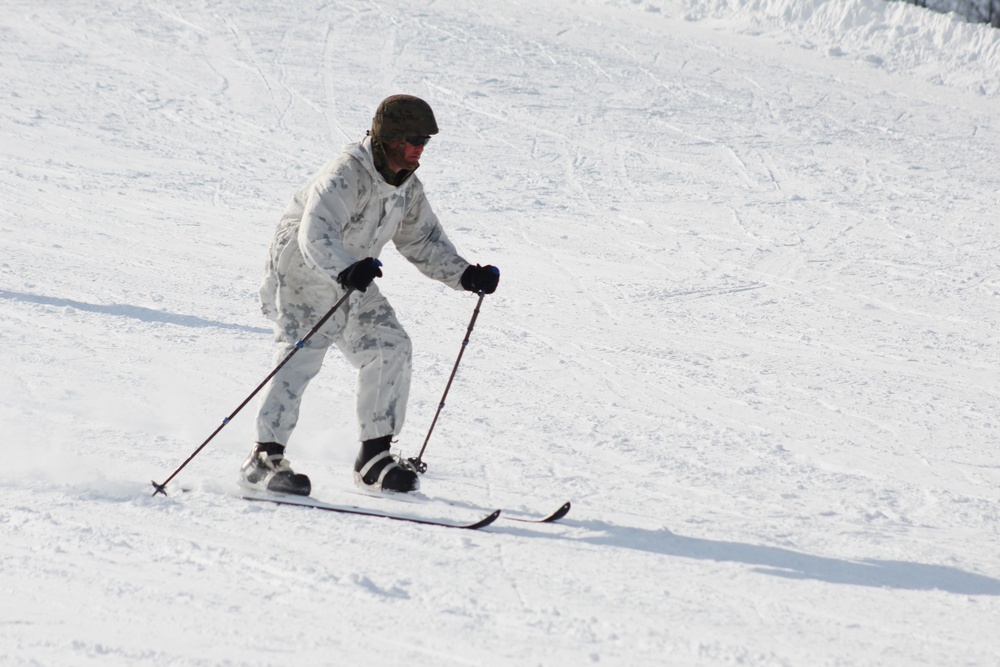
895,36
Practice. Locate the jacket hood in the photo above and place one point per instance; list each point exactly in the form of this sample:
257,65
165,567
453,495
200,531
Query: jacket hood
362,152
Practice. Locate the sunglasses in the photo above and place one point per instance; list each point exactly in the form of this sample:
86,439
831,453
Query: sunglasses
419,140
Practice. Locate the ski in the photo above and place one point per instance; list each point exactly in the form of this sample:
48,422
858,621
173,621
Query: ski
555,516
420,499
304,501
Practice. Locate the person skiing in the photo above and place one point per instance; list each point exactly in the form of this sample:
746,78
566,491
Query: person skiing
327,243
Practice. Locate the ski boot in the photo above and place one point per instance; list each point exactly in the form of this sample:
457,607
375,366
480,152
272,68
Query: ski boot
379,470
267,469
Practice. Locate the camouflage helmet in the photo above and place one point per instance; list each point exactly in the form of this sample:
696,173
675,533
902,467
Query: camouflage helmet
401,116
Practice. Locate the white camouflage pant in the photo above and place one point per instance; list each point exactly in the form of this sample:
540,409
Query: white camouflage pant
366,331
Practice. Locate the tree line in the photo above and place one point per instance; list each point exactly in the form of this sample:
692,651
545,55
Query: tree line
975,11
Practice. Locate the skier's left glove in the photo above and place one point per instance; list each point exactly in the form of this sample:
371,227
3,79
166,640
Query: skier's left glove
360,274
481,279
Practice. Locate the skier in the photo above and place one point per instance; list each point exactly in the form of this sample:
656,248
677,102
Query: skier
328,242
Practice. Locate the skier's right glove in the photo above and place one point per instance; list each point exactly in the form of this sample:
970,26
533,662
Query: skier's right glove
360,274
481,279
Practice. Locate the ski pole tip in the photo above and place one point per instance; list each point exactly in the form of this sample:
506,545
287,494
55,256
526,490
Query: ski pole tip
160,488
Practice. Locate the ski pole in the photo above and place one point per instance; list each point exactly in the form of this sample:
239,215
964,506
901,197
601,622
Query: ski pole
162,488
417,462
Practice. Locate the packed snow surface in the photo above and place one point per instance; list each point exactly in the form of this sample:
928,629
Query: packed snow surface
748,322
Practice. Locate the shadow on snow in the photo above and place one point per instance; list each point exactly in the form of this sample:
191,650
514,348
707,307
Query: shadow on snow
779,562
133,312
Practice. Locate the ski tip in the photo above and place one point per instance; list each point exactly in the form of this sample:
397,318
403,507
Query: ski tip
485,522
559,513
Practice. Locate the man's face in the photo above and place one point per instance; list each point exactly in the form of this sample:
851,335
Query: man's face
402,154
412,153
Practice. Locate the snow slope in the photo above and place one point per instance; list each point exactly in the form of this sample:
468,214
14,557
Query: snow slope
748,323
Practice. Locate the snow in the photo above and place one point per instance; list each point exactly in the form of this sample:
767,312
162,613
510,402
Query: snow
747,322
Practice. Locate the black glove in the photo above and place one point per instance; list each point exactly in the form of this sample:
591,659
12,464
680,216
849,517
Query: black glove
481,278
360,274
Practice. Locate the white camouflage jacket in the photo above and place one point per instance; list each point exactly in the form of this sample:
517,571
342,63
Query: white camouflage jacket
344,213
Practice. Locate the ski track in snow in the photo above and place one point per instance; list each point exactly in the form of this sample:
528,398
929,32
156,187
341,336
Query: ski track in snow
748,324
